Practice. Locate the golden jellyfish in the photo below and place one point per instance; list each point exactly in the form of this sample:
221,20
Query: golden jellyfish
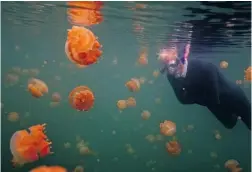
16,70
133,85
131,102
145,115
173,147
82,47
121,104
85,13
232,165
157,100
37,87
56,97
223,64
27,147
142,80
155,73
217,135
79,168
129,149
33,72
45,168
143,60
168,128
248,73
151,138
11,79
67,145
13,116
81,98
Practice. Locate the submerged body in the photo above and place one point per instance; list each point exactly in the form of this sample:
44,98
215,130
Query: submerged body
206,86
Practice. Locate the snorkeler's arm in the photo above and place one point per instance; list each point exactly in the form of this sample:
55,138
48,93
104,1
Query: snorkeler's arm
180,93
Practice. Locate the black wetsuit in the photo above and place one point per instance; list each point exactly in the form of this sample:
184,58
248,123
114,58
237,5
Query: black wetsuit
206,86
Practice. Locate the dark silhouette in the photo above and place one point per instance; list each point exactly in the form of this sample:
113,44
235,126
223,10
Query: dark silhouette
205,85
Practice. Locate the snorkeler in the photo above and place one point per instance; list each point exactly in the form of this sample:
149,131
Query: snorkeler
196,81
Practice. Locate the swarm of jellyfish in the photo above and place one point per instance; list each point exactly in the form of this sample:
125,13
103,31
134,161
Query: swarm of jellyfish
85,13
37,87
82,47
45,168
27,147
81,98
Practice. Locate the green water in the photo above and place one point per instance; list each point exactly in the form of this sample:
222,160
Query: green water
35,33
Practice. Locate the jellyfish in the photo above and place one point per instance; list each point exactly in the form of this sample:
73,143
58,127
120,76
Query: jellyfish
173,147
133,85
121,104
131,102
129,149
37,87
11,79
85,13
248,74
155,73
13,116
157,100
142,80
33,72
143,60
213,155
82,47
67,145
81,98
151,138
45,168
145,115
16,70
168,128
27,147
232,165
217,135
223,64
78,168
56,97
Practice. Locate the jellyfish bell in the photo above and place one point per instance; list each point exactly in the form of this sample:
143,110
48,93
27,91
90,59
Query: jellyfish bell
131,102
145,115
173,147
121,104
231,164
223,64
133,85
82,47
81,98
45,168
168,128
248,74
37,87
